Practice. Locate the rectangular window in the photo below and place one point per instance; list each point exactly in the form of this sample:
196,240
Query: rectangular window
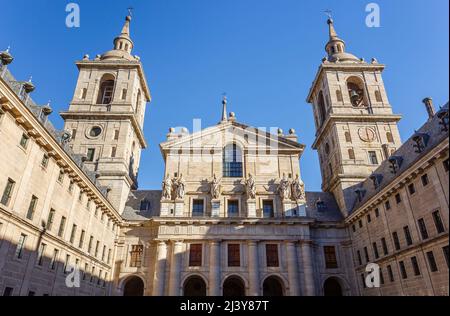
445,251
136,256
109,256
20,246
398,198
390,273
103,253
97,245
387,204
407,235
91,239
8,291
415,265
354,228
360,224
62,226
104,280
195,255
99,280
7,193
366,254
375,250
423,229
85,272
24,141
432,261
446,165
83,93
92,274
90,154
272,255
44,162
74,134
358,253
373,158
116,134
113,152
438,222
396,240
232,162
363,280
124,94
234,255
268,210
50,218
72,233
66,264
403,270
425,180
385,247
41,253
330,257
32,207
198,208
377,212
81,242
54,259
369,218
71,186
411,189
233,208
381,276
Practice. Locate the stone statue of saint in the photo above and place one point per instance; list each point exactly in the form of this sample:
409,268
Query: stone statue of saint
215,188
298,189
283,188
180,187
167,188
250,186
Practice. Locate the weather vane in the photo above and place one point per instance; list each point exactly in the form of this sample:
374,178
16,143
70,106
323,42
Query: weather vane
130,11
328,12
224,95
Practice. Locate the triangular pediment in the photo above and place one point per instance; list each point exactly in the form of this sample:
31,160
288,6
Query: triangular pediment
247,137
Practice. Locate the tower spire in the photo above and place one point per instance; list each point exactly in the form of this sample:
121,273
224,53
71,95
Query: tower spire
336,46
123,44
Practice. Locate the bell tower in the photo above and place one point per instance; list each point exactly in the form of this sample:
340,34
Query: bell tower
355,126
106,116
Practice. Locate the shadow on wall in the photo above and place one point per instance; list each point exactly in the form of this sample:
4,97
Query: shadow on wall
24,272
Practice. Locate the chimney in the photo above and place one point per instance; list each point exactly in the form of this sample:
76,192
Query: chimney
430,107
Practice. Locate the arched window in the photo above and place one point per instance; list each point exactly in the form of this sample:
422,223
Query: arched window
232,161
378,96
138,101
321,107
339,96
355,88
106,91
389,137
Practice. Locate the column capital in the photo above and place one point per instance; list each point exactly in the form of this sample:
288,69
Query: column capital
291,242
215,241
253,242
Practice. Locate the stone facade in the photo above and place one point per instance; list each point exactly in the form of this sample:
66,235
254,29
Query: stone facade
233,216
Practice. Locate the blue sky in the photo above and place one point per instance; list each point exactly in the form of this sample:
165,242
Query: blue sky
263,53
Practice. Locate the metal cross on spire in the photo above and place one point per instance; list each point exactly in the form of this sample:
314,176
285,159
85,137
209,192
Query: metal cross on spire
329,13
130,11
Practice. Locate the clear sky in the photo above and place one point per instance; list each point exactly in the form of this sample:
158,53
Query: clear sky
263,53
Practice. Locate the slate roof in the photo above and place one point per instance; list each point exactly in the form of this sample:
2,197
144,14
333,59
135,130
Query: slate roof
328,212
433,129
134,211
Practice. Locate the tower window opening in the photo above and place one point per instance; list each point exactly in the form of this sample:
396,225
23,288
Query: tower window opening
106,91
356,92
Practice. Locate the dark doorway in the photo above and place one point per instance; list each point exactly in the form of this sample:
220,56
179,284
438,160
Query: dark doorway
134,287
233,286
194,286
332,288
272,287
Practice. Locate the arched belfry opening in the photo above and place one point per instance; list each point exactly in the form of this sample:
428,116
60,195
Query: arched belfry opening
106,89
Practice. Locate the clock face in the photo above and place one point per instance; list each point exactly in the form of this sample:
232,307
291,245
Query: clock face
366,134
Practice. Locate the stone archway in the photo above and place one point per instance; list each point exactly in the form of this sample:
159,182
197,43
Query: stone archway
194,286
273,286
332,287
233,286
134,286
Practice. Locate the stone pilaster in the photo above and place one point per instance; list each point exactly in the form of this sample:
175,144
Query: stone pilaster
160,271
214,268
175,269
308,270
294,285
253,269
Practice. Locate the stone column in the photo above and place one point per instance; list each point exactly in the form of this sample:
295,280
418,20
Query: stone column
292,264
160,270
175,269
308,270
214,268
253,269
